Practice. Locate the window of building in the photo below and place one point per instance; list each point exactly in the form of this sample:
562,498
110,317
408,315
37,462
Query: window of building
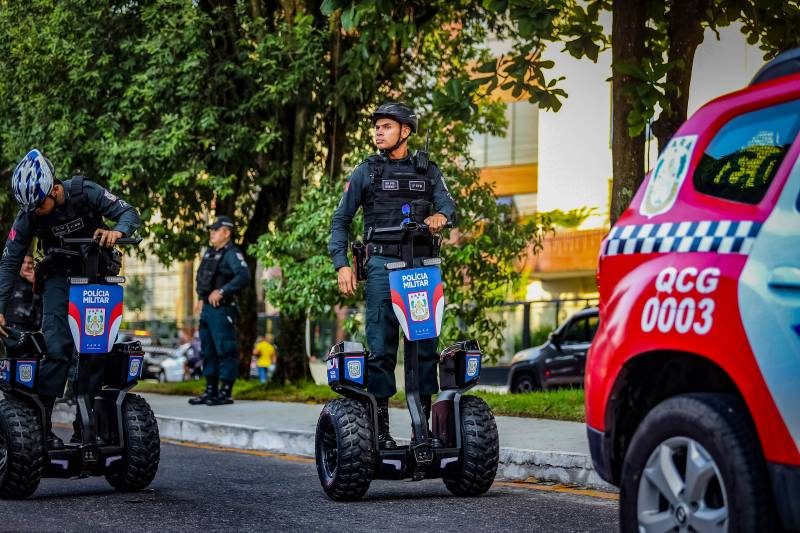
745,154
520,144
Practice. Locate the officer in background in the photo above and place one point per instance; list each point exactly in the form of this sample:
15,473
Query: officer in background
385,185
24,308
222,274
51,209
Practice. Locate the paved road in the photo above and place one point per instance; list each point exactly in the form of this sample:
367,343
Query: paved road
209,490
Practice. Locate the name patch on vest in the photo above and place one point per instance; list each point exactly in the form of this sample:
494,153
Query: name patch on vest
416,186
391,185
69,227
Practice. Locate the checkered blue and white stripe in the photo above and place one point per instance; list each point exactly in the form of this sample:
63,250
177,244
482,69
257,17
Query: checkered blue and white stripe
720,236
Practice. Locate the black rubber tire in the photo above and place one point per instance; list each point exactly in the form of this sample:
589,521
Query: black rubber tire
21,436
345,449
480,452
143,447
719,422
525,383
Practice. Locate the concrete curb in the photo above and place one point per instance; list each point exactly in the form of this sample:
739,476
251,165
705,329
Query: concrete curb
515,464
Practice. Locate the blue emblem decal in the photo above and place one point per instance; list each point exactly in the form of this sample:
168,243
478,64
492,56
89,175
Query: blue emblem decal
473,366
134,367
25,373
354,369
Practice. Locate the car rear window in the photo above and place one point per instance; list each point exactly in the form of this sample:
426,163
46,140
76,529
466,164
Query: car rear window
745,154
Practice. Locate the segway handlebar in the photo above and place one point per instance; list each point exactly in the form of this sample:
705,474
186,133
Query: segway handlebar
125,241
409,227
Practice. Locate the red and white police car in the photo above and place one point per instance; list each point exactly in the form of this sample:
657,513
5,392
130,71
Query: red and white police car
693,379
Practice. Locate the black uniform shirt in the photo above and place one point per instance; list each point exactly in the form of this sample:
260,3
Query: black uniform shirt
23,231
355,195
232,267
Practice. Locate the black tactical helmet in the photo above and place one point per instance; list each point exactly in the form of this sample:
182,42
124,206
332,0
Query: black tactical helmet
396,111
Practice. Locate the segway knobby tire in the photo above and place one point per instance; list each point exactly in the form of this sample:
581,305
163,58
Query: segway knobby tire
143,447
21,450
480,451
344,449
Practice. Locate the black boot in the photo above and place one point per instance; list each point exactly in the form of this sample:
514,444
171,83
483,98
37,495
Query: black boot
210,392
385,440
53,441
427,404
224,396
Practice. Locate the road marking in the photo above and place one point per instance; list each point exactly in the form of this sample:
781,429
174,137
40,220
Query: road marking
558,488
287,457
529,485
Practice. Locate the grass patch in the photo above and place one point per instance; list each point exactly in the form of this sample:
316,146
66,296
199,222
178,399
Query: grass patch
564,404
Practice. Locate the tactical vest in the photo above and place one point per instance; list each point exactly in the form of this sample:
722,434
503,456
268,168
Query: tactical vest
23,310
209,277
72,219
388,192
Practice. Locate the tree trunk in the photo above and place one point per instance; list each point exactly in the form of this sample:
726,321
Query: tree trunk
248,320
292,364
627,46
685,31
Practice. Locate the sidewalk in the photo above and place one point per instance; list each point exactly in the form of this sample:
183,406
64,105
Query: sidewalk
544,449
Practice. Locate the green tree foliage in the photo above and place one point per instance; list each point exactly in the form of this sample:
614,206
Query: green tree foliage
653,42
480,265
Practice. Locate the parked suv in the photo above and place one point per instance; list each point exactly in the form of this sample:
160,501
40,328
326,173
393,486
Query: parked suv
558,362
693,378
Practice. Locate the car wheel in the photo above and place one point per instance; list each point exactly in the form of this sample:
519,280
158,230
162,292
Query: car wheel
524,383
694,464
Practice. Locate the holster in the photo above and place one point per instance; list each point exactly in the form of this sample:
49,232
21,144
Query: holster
360,260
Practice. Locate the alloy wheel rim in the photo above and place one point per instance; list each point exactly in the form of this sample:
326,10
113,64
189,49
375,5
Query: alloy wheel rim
681,489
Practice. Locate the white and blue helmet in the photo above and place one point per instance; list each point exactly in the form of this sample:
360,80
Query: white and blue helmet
33,180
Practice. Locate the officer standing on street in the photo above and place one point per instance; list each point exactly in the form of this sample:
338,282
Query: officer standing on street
24,308
222,274
51,209
385,185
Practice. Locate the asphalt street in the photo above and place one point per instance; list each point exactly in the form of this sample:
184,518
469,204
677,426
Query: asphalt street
200,489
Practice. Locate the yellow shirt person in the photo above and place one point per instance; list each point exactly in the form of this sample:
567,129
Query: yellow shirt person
266,354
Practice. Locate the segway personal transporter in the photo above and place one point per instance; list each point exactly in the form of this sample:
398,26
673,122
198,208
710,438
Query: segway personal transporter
119,436
463,449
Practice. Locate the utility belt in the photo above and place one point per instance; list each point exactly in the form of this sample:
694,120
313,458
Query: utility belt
362,252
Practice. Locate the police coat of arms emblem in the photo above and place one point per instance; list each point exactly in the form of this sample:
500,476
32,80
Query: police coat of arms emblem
418,305
25,373
95,324
354,369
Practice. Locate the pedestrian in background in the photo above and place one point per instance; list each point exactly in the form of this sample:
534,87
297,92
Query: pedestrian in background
265,351
223,273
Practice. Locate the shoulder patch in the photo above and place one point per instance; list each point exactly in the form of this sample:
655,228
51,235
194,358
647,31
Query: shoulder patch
110,196
12,234
239,256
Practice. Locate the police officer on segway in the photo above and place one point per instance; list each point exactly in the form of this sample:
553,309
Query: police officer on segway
222,274
386,185
49,210
24,307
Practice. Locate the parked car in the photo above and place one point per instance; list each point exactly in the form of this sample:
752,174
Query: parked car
173,367
558,362
693,379
154,357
